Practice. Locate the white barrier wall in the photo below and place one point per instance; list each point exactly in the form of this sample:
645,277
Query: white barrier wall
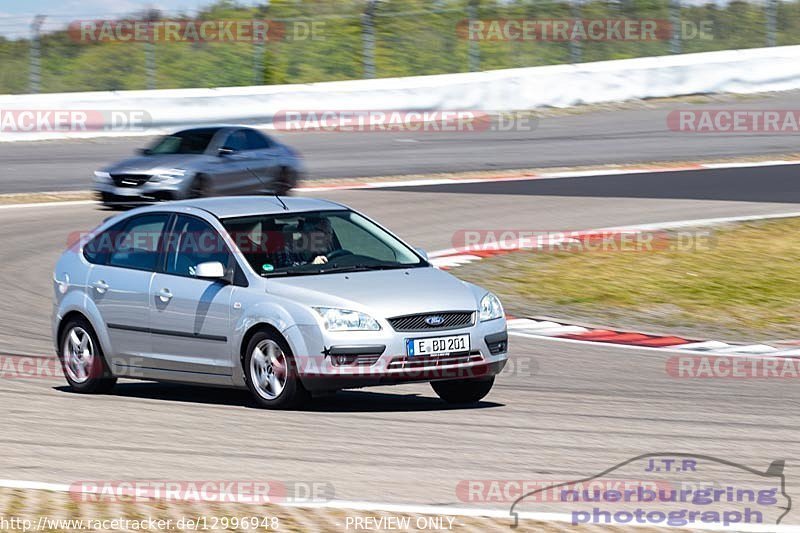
733,71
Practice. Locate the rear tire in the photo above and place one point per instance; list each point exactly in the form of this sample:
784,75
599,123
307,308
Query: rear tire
463,390
271,372
82,359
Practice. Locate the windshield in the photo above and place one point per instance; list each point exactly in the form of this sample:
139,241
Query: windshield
317,243
184,142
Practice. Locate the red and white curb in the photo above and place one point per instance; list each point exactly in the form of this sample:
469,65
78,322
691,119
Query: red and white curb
552,330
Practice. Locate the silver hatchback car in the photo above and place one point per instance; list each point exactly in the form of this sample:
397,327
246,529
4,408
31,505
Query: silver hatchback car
284,296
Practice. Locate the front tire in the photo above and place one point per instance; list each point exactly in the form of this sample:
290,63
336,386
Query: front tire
82,359
271,372
463,390
286,181
200,187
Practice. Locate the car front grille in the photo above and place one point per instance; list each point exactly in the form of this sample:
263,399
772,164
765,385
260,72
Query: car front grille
129,180
449,320
426,362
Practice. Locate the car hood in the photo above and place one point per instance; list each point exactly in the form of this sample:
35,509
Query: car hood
149,163
381,293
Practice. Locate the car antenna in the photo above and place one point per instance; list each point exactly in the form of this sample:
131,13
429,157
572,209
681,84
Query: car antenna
277,197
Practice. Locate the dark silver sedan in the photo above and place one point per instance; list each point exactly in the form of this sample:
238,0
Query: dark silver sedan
198,162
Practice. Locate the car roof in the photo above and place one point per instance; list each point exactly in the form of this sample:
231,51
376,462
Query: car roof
240,206
216,127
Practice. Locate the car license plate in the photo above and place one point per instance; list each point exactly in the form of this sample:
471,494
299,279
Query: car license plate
437,345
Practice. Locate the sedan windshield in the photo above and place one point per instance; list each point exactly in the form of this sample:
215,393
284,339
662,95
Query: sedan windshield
317,243
184,142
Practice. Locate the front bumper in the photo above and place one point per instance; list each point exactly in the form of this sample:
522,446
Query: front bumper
330,361
109,193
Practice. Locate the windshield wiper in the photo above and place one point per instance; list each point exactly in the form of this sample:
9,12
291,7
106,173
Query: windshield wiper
333,270
345,268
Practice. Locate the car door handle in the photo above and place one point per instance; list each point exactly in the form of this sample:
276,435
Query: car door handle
63,285
100,286
164,295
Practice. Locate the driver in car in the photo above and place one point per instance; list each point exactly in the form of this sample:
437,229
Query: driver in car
316,236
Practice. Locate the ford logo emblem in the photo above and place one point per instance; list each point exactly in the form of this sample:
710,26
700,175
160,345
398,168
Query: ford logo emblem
434,320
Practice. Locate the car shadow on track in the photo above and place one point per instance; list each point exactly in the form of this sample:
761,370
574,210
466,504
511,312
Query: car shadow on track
349,401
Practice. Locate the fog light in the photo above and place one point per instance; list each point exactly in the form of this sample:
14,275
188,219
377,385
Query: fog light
343,360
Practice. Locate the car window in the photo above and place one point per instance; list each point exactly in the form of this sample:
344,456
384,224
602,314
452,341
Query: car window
354,237
138,245
194,241
315,242
236,141
98,249
256,141
184,142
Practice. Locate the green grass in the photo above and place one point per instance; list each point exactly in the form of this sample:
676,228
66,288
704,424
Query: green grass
742,283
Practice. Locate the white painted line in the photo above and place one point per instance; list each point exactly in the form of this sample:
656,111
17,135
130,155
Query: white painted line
753,349
454,260
527,323
33,485
704,346
795,352
48,204
703,222
402,508
558,330
748,164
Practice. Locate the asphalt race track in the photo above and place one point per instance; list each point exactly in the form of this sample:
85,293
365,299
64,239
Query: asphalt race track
588,138
565,410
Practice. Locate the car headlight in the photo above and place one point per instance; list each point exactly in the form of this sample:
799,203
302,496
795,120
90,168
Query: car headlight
101,176
169,177
491,308
346,320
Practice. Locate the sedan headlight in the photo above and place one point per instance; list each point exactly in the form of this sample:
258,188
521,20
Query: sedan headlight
491,308
169,177
346,320
101,176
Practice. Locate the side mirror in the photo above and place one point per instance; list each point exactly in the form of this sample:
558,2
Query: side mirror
210,270
143,151
222,152
422,252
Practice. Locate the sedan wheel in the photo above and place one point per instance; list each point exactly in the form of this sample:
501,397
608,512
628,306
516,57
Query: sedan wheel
271,373
78,353
82,359
463,390
268,369
286,181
